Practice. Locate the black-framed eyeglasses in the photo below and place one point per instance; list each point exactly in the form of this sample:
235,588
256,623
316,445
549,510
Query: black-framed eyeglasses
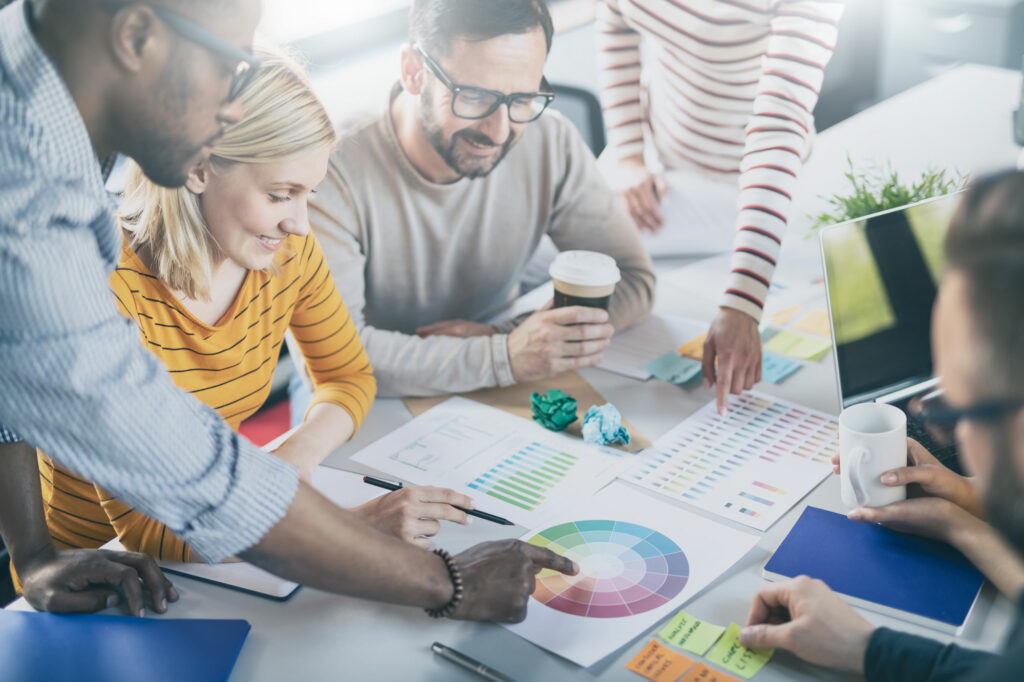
475,103
936,412
247,65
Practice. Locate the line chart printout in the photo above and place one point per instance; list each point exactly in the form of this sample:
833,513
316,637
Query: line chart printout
510,466
640,559
750,465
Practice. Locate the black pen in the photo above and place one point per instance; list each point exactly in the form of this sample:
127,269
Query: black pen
388,485
484,671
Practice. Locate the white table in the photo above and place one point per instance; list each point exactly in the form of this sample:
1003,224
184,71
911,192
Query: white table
961,119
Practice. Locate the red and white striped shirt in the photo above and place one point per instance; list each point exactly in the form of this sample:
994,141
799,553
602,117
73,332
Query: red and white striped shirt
728,86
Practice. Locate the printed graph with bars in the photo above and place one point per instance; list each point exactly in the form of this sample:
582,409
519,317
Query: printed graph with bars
509,465
750,465
525,477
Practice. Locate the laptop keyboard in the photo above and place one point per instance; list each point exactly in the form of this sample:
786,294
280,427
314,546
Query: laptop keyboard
947,454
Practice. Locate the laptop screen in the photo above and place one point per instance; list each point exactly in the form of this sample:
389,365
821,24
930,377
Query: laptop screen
882,273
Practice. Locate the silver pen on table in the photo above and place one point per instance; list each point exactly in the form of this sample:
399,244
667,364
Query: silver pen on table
460,659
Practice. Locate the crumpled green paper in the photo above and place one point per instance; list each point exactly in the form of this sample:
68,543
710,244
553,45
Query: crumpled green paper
554,411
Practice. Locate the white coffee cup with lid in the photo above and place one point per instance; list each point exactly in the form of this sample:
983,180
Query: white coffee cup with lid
585,278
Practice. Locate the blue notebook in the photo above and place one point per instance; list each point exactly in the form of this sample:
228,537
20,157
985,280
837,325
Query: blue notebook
905,576
46,646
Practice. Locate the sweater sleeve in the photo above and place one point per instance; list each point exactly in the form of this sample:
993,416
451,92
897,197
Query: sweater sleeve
898,657
619,67
329,341
140,533
803,35
404,364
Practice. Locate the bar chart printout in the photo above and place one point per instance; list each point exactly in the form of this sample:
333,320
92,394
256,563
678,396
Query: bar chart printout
508,465
750,465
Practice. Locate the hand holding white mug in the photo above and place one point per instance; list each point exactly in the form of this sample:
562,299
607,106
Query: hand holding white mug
872,441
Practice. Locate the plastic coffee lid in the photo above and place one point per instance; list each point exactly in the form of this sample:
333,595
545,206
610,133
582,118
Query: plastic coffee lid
585,268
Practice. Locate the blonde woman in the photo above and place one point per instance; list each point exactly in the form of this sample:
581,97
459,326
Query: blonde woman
214,274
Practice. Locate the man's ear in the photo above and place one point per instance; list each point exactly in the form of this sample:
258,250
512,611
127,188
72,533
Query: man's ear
135,37
413,71
197,177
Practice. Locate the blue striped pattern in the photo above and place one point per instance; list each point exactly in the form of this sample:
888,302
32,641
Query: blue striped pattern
75,380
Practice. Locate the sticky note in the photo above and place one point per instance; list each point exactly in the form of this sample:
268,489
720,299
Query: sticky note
783,316
775,368
691,634
735,657
816,322
694,348
797,345
673,368
702,673
659,663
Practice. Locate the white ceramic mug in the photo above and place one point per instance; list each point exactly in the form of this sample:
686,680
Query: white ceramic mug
872,440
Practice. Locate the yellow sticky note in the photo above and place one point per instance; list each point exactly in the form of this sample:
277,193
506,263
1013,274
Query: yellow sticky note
694,348
783,316
735,657
691,634
797,345
659,663
702,673
815,322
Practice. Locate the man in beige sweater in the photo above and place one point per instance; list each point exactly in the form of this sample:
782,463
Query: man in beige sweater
431,211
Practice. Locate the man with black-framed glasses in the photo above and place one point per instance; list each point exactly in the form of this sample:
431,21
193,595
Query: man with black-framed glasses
432,210
978,337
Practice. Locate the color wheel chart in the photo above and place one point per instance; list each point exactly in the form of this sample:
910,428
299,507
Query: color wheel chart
750,465
625,569
525,478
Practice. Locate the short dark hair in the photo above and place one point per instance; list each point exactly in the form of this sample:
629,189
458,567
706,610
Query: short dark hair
986,244
434,25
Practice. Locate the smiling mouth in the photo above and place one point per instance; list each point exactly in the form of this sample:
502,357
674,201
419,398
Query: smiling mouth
269,243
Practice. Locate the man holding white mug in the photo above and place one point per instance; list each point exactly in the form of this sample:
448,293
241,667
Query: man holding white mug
977,334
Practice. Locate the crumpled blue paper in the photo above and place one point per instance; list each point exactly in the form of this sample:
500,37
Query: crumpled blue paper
602,425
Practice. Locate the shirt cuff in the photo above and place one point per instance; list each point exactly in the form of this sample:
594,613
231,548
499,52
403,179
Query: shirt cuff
8,436
264,487
501,361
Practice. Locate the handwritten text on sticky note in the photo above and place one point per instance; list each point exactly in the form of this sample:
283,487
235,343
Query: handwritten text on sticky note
702,673
733,656
659,663
691,634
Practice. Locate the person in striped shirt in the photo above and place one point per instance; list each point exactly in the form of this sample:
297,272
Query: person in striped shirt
725,88
214,274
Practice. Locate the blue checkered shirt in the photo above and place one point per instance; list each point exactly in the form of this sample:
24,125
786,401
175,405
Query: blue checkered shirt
74,378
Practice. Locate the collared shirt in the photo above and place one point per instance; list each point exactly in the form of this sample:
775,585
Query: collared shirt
74,379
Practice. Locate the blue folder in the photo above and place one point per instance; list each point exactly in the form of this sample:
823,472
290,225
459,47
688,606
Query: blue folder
904,576
46,646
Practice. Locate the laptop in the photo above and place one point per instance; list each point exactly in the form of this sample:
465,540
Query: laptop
881,277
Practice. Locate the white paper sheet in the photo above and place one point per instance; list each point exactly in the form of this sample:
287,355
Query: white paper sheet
640,560
510,466
659,333
700,216
750,465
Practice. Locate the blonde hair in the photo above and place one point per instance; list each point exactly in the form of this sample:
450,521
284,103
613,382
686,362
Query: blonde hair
283,120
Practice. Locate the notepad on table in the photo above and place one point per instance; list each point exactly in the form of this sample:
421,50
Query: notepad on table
905,576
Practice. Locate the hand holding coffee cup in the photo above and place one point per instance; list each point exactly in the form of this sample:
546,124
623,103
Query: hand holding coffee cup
584,278
872,441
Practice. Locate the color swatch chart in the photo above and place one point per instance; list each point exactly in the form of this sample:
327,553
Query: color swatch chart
510,466
625,569
750,465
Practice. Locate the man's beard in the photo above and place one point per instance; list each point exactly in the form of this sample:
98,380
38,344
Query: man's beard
446,149
1004,498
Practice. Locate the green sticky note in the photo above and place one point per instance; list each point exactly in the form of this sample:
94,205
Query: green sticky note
673,368
735,657
691,634
797,345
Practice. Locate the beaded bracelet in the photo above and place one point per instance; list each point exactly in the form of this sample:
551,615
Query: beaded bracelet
456,577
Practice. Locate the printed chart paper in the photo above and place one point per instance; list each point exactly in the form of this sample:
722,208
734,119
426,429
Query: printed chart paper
633,348
510,466
640,559
750,465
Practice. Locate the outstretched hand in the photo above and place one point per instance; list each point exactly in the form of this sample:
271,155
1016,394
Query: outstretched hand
732,355
87,580
499,577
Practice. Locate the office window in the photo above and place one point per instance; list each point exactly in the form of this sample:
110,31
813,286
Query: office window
295,20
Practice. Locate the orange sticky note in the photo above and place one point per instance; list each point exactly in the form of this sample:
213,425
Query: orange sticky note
659,663
783,316
703,673
815,322
694,348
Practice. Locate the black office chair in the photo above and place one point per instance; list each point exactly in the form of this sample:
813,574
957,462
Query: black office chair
583,108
